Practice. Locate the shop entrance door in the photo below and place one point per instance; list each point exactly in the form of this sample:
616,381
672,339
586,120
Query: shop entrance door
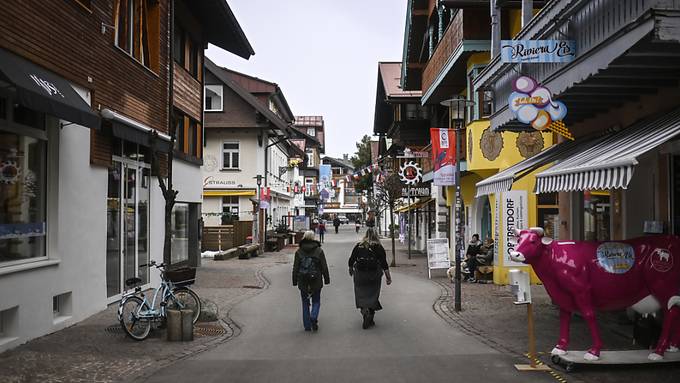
127,224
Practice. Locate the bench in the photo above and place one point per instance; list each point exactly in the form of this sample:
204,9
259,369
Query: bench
227,254
484,273
247,251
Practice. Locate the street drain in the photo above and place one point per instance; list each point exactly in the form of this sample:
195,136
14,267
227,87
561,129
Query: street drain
208,330
252,287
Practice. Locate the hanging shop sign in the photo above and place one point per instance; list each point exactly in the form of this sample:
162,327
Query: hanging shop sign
410,173
420,190
538,51
325,176
533,105
443,156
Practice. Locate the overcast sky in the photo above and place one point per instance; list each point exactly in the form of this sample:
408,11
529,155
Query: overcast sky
324,55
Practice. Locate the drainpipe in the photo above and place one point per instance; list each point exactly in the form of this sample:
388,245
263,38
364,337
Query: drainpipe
495,29
527,11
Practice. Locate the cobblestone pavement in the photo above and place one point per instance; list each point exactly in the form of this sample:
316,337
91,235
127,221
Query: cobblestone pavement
97,350
489,314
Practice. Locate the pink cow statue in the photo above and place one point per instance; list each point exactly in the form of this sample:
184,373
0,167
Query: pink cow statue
586,276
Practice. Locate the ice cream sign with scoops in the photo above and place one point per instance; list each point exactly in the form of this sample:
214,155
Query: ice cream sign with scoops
533,105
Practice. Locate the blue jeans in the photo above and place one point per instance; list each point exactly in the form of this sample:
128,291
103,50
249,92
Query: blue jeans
307,316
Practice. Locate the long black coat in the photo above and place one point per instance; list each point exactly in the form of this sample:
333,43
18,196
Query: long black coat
367,283
309,248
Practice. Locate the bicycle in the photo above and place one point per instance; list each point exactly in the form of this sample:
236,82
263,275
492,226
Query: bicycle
136,314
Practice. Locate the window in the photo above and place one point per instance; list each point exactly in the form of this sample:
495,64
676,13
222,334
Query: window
311,132
186,51
178,45
188,139
310,158
230,155
23,178
137,30
180,233
213,98
230,210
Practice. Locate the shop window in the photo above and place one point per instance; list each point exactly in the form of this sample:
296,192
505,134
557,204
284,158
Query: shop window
23,178
137,30
180,233
230,155
597,213
230,210
548,214
213,98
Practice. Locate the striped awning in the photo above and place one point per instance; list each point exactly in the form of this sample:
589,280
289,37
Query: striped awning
502,181
608,163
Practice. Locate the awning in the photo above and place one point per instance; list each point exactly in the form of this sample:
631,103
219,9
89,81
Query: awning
502,181
44,91
229,193
413,206
134,131
609,163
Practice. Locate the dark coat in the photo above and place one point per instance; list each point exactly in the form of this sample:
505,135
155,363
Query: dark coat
311,248
367,283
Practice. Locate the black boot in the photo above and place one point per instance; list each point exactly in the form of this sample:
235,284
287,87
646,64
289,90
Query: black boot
367,322
371,314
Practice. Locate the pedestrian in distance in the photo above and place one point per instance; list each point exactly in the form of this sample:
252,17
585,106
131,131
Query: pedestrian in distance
367,264
309,268
357,224
322,230
336,223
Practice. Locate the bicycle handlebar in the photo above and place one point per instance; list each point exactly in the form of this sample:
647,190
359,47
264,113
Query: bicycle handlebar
153,263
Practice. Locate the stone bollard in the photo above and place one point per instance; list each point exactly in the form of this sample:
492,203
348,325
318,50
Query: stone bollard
187,325
174,325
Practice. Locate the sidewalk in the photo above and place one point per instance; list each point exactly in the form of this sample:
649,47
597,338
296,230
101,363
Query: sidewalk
97,350
489,315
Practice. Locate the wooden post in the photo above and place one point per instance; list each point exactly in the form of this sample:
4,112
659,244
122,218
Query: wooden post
532,366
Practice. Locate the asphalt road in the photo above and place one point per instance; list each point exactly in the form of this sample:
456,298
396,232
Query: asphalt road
409,343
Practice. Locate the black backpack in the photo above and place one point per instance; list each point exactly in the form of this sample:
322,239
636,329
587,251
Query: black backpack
310,268
367,261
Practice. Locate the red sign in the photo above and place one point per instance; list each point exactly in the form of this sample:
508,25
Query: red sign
443,156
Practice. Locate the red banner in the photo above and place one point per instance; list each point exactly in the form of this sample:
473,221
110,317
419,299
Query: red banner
443,156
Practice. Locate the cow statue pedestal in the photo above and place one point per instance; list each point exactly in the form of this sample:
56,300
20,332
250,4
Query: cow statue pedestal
589,276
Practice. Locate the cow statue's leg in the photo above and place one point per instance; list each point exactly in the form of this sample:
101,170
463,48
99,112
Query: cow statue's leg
670,318
675,337
563,343
586,307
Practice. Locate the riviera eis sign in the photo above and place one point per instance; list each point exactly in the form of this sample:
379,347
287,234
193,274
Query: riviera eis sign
538,51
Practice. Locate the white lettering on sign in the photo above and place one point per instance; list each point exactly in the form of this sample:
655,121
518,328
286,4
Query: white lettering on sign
515,215
50,88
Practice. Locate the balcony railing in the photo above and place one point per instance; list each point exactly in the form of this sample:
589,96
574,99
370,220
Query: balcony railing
591,23
445,49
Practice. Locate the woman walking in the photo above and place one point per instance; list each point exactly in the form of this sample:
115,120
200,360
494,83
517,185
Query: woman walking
308,269
322,230
367,264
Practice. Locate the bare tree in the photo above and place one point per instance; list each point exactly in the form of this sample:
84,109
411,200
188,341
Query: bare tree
389,195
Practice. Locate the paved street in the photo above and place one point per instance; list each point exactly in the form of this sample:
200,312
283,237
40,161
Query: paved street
409,343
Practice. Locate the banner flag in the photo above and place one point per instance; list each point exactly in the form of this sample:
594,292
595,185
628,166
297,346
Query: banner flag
444,156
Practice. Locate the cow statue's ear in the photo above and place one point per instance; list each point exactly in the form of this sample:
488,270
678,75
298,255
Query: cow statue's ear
546,240
513,240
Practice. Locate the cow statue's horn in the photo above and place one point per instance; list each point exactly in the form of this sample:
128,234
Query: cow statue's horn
538,230
517,232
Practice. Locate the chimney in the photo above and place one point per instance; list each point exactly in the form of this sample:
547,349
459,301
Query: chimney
345,157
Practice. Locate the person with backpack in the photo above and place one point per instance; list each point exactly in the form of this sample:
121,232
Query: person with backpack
309,268
367,264
322,230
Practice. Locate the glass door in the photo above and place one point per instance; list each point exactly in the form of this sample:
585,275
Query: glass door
130,223
113,237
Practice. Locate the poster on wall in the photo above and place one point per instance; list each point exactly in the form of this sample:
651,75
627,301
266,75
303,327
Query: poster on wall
300,223
443,156
515,215
496,229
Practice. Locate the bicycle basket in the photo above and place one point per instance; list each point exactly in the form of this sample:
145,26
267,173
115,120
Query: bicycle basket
184,276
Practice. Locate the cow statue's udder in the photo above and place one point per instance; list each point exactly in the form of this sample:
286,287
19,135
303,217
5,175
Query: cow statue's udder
586,276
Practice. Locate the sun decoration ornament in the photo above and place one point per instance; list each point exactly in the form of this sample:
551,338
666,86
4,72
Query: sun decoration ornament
529,143
491,144
410,173
9,172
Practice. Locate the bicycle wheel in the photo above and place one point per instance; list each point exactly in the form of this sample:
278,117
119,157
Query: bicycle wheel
183,298
128,311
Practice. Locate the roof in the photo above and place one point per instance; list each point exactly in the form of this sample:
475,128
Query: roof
221,27
221,74
339,161
309,121
390,74
257,85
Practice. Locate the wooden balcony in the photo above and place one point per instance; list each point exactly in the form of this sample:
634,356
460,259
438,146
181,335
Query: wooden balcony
445,72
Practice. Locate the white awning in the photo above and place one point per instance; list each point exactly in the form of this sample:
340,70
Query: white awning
609,162
502,181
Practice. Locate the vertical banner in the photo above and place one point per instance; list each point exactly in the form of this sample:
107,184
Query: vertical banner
443,156
497,229
325,176
515,215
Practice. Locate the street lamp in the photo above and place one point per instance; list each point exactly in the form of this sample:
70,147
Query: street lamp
256,226
458,106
